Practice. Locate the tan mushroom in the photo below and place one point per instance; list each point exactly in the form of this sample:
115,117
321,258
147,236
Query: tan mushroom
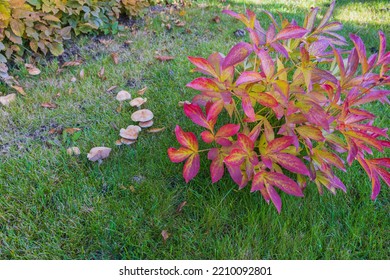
146,124
118,142
142,115
127,141
73,151
6,100
123,95
138,101
98,153
130,133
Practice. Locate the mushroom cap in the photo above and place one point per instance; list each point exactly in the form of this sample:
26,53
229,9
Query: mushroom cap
127,141
138,101
143,115
123,95
98,153
73,151
130,133
146,124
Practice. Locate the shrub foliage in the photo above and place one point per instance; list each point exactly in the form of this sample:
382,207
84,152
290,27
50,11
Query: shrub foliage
293,98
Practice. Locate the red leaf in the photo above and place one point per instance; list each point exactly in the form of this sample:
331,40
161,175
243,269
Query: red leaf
248,108
311,132
279,144
179,155
245,143
204,84
284,183
237,54
291,32
361,50
187,139
191,167
258,182
228,130
213,111
237,175
267,100
240,17
384,175
236,157
207,136
248,77
290,162
267,64
203,66
216,169
195,113
275,198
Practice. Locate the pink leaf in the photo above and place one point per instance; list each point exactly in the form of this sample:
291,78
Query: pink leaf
291,32
267,64
207,137
187,139
216,169
235,158
284,183
279,144
327,15
191,167
179,155
203,66
290,162
228,130
248,77
361,50
248,108
195,113
275,198
237,54
204,84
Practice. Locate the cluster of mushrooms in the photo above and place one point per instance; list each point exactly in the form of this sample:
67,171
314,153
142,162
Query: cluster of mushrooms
144,117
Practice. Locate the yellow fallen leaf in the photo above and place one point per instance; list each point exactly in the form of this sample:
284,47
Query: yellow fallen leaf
19,89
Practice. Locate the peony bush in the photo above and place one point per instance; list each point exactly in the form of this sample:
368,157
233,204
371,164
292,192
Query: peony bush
287,108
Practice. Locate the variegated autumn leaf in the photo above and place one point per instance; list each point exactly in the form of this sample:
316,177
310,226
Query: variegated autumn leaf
195,113
237,54
203,66
188,152
274,154
265,181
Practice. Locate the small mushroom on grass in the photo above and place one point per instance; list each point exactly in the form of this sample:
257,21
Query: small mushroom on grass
142,115
130,133
122,96
138,102
146,124
73,151
98,154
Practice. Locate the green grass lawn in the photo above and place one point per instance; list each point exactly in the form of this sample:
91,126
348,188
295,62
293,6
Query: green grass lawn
56,206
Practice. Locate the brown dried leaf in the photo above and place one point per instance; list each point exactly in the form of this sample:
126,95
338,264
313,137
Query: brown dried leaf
32,70
101,73
168,26
180,207
156,130
56,130
164,57
72,63
111,88
142,91
71,130
19,89
105,42
180,23
216,19
165,235
115,57
49,105
128,42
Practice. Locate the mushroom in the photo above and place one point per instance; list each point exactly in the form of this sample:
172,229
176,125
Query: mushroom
73,151
138,101
142,115
130,133
6,100
127,141
146,124
123,95
98,154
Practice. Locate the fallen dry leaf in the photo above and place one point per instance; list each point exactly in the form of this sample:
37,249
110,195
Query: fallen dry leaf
142,91
155,130
165,235
19,89
180,207
101,73
164,57
71,130
32,70
115,57
56,130
72,63
180,23
181,103
49,105
6,100
216,19
111,88
182,13
105,42
168,26
128,42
